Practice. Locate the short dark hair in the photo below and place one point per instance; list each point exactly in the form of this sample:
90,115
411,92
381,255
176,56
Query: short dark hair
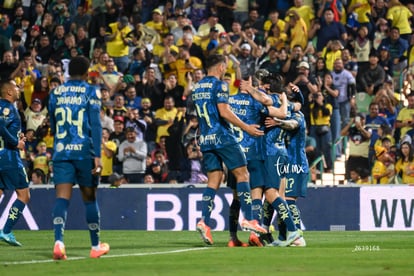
213,60
78,66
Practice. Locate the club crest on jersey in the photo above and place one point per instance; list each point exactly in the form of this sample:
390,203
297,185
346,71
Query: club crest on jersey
6,111
224,87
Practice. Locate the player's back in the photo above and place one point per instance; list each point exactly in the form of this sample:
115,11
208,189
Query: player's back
249,111
10,120
74,116
297,142
215,131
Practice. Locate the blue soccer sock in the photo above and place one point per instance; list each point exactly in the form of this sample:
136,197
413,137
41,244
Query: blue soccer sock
268,212
234,217
283,211
207,204
14,214
282,228
294,210
257,207
93,220
243,193
59,217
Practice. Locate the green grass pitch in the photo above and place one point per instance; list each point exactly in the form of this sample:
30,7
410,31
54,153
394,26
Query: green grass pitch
183,253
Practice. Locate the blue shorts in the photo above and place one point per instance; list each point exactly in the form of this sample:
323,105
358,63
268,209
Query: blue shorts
13,179
75,172
296,184
256,172
275,170
232,156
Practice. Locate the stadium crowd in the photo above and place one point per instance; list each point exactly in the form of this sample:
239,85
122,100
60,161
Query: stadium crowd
352,60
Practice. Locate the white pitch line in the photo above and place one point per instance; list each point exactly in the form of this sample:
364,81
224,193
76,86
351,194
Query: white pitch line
107,256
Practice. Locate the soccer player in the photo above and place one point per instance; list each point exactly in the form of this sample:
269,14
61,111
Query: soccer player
251,111
297,171
276,160
74,120
12,173
218,144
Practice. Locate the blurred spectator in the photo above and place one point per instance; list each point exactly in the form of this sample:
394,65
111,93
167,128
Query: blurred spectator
8,65
405,117
320,127
373,120
298,30
41,158
165,116
118,43
118,136
148,179
345,83
146,114
404,167
157,174
397,47
359,141
132,120
328,29
106,121
119,108
108,151
191,165
41,90
82,41
373,77
399,16
349,63
307,85
35,114
38,177
132,153
383,170
385,61
290,67
116,180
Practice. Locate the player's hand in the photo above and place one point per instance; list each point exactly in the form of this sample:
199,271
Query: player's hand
98,166
246,85
254,130
22,142
269,122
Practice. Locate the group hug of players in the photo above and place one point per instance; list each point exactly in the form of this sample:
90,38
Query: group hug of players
270,131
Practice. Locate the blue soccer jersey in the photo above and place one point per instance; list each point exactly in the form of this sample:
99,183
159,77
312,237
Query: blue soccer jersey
74,109
10,127
298,162
275,136
215,131
249,111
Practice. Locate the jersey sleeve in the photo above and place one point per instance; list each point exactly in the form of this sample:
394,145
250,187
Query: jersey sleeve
222,92
10,133
95,121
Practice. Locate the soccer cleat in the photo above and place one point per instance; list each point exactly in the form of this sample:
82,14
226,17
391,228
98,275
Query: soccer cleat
266,238
205,232
236,243
291,237
254,240
9,238
103,249
59,251
252,225
299,242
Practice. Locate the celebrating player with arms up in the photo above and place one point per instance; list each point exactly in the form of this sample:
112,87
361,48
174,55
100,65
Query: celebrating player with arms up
74,119
218,144
12,173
